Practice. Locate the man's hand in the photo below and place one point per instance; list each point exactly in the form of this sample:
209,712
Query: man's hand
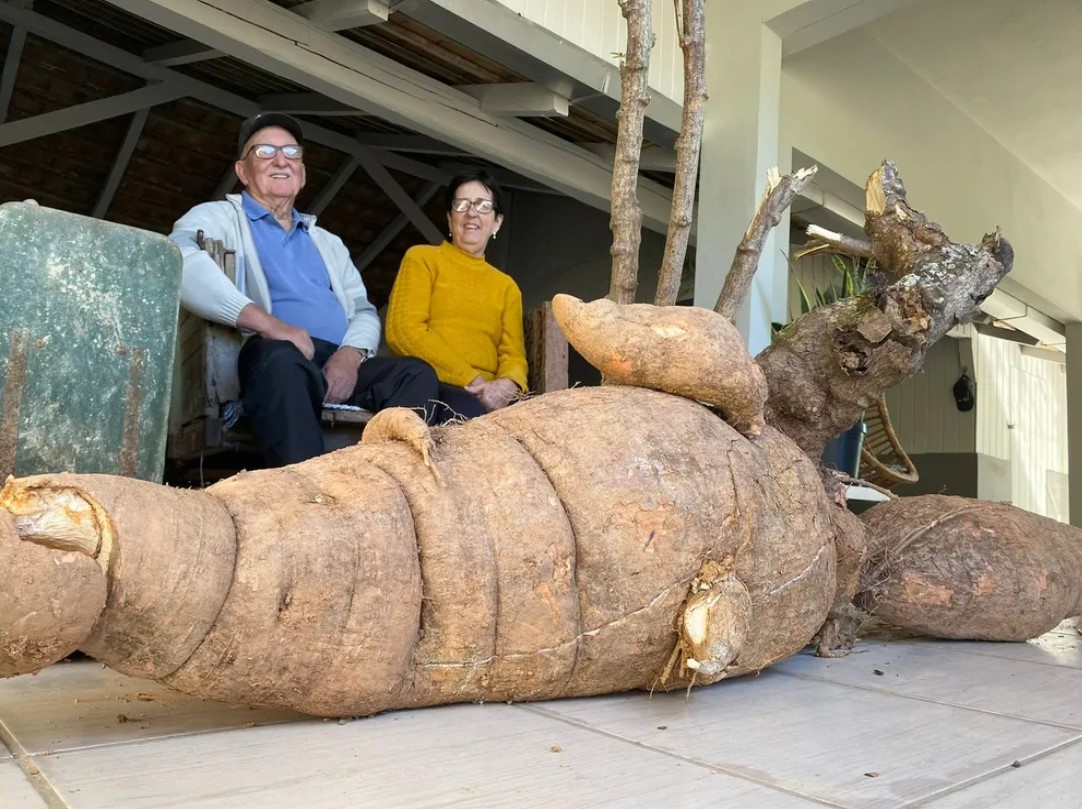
494,395
271,328
341,374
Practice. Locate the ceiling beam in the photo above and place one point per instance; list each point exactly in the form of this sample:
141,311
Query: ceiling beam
91,112
652,158
521,99
307,104
387,235
391,187
183,52
419,144
333,186
120,164
340,15
495,29
807,23
329,15
290,47
11,69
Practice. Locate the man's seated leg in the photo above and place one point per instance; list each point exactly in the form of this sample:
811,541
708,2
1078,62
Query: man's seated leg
283,396
459,403
384,382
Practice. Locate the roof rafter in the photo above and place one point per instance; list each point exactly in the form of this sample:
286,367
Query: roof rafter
89,113
289,46
40,25
329,15
333,186
387,235
120,163
11,69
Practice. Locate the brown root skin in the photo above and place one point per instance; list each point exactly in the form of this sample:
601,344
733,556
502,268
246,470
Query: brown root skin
49,602
958,568
833,363
554,562
839,630
403,424
683,350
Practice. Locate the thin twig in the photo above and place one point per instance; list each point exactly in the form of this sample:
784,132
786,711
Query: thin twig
849,480
777,197
821,239
693,43
626,222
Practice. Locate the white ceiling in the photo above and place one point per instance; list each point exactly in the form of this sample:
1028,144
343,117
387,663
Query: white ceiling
1014,66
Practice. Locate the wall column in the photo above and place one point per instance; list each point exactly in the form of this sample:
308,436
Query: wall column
740,143
1074,422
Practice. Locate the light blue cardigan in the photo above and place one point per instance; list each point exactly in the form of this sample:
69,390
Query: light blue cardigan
206,291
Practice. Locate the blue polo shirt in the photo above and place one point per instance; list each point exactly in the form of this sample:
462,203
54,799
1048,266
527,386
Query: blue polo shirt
300,288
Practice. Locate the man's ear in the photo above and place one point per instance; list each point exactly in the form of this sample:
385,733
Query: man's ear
242,170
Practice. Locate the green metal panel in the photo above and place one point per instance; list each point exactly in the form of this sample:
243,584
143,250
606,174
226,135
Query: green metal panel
88,315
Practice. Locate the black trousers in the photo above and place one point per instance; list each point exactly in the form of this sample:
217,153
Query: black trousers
458,403
283,394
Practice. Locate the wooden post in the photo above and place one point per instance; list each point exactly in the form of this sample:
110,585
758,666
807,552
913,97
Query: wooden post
546,350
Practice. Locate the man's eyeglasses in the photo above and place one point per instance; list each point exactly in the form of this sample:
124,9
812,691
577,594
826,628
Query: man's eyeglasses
265,151
460,205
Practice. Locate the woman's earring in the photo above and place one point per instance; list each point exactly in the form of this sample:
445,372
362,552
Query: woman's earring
494,235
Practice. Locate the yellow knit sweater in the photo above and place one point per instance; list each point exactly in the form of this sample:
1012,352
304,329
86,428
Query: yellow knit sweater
458,313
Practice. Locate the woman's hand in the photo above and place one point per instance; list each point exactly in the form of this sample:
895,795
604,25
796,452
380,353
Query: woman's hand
494,395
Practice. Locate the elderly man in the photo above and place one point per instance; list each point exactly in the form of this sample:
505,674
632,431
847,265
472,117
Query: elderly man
313,331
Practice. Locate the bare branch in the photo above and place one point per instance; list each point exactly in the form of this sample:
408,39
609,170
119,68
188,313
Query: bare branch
693,43
823,240
626,222
831,364
778,196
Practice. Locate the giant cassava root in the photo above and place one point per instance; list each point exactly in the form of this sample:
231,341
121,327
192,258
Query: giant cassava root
552,556
685,350
959,568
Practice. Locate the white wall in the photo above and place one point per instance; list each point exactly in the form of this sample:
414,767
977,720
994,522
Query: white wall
850,103
1022,418
923,411
598,27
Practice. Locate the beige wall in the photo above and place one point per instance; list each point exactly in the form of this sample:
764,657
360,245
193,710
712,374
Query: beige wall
850,103
598,27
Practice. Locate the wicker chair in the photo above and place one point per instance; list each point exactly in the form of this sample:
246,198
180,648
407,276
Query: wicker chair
882,459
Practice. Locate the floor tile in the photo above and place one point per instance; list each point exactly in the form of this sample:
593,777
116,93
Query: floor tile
16,791
1051,649
847,746
458,756
946,672
82,703
1050,781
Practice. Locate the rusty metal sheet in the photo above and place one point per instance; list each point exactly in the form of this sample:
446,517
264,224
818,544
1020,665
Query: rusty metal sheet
86,388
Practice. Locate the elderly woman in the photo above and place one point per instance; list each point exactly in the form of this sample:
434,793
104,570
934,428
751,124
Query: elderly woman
456,311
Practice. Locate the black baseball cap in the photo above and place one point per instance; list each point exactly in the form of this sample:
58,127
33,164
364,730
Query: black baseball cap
261,120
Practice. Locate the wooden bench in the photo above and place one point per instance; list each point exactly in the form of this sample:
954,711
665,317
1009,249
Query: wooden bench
206,442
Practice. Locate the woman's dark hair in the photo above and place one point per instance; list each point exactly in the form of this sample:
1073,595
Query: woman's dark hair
478,175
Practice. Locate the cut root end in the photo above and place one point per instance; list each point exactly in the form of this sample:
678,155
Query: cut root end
712,628
56,517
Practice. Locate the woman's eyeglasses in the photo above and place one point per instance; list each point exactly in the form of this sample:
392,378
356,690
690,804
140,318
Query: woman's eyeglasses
265,151
461,205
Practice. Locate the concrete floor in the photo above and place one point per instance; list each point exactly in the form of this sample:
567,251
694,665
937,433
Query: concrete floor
898,723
